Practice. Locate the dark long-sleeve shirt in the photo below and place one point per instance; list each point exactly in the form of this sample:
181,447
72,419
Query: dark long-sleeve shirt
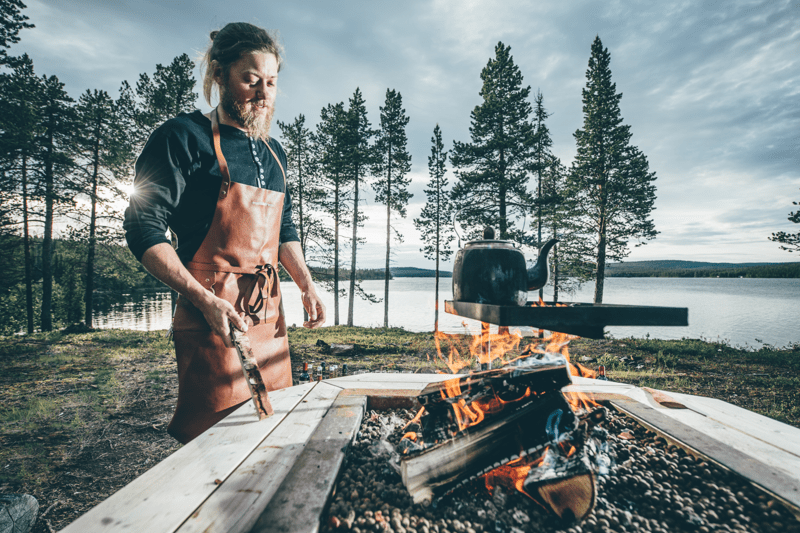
178,180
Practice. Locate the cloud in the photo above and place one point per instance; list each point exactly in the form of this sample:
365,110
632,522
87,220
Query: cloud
711,91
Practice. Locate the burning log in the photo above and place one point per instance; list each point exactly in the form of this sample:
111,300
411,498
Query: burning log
454,440
477,450
511,424
504,383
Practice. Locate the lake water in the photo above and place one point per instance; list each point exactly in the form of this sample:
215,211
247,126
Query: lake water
743,312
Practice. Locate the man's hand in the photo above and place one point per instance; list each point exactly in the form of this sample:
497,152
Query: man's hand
315,309
221,315
162,262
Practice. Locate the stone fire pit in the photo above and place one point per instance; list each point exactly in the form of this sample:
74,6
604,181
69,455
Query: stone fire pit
278,474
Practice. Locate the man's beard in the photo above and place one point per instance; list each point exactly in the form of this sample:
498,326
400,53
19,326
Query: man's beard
255,124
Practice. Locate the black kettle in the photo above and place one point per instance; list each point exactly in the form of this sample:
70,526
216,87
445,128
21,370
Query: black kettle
494,272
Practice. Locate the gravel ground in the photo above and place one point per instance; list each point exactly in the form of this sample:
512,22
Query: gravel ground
653,487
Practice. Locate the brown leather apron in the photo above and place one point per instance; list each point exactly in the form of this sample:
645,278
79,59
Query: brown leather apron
237,261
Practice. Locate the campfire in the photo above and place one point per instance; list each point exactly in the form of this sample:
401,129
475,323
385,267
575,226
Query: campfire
507,422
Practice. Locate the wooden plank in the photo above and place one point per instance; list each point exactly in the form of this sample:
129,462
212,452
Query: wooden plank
301,499
160,499
376,385
385,399
236,505
781,435
744,455
380,377
764,451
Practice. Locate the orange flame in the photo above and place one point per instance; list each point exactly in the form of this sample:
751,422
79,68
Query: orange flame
411,435
511,475
580,401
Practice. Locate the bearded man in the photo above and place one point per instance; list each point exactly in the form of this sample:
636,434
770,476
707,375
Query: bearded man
218,182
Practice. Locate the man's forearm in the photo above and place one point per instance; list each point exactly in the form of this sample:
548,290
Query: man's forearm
163,263
290,254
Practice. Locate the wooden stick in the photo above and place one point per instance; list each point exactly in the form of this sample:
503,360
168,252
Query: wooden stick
251,374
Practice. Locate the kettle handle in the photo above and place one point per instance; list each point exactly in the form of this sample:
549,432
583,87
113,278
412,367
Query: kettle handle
455,225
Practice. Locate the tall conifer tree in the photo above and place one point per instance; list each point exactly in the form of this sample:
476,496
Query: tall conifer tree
493,167
434,222
611,177
307,194
330,140
169,92
393,163
20,120
360,159
57,151
540,162
104,149
11,22
560,217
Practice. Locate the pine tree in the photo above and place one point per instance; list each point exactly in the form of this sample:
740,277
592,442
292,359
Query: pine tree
11,22
105,149
20,107
168,93
540,162
560,216
306,192
791,240
613,178
331,167
360,158
493,168
57,149
393,163
164,96
434,222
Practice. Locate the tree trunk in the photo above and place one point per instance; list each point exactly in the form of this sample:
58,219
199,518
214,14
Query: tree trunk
27,247
336,255
539,217
438,244
601,262
47,241
302,220
89,294
388,241
601,244
352,294
555,273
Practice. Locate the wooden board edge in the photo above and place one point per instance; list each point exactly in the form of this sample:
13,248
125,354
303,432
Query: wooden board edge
778,485
309,485
384,399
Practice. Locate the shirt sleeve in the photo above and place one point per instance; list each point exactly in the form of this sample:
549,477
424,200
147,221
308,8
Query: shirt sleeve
158,185
288,229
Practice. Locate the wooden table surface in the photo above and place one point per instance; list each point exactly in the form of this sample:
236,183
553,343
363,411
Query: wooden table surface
225,479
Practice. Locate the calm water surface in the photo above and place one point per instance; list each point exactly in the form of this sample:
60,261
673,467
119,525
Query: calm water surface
743,312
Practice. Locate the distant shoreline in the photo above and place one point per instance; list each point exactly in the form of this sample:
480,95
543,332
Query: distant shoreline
648,269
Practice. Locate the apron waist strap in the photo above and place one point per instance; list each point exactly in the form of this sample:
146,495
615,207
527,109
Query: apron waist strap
213,267
259,290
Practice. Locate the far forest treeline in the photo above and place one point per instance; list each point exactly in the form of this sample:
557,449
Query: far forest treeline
690,269
65,165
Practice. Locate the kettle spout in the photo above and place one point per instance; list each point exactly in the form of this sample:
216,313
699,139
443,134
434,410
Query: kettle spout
537,274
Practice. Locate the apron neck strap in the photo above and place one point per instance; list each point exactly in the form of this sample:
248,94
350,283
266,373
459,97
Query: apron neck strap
223,165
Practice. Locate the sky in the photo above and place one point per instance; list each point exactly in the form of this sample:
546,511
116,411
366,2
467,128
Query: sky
711,89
